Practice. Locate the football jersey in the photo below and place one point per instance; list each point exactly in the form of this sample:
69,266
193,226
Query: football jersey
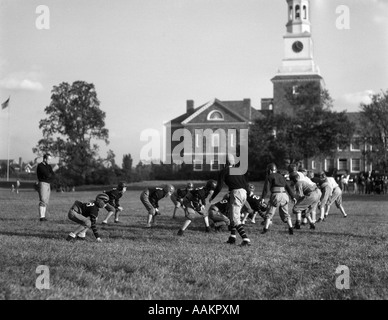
155,194
114,196
90,210
198,196
254,202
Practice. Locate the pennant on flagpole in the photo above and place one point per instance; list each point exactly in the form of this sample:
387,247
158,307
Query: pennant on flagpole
5,104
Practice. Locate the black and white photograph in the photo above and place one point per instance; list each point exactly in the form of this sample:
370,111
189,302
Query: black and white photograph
193,157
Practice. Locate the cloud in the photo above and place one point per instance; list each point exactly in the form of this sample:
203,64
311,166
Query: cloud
353,100
22,81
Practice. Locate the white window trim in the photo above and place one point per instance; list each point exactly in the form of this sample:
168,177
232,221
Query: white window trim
351,165
338,163
214,111
197,162
313,165
353,149
214,136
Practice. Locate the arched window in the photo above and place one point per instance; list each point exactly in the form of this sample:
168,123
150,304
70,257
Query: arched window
215,115
290,13
297,12
304,12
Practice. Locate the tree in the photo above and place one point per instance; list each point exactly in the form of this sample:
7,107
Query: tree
312,131
74,123
374,129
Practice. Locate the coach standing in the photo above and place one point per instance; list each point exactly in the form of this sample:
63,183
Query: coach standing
45,175
238,189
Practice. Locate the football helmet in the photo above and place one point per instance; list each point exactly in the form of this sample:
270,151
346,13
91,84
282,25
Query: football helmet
190,186
271,167
168,188
121,185
211,184
251,187
101,200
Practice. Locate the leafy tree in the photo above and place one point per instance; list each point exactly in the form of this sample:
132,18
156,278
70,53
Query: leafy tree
74,123
374,128
312,131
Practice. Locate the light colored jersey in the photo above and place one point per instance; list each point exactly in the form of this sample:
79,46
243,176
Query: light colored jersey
332,183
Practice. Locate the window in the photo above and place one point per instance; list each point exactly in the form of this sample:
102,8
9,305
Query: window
290,13
214,165
297,12
313,165
356,144
342,164
329,164
295,90
304,12
215,115
197,165
356,165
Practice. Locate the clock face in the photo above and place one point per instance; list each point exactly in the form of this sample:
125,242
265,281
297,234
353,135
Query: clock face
297,46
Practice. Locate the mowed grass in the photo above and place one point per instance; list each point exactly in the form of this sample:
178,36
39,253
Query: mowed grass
155,264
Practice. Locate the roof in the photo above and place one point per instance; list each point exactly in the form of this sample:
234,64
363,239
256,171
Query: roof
234,107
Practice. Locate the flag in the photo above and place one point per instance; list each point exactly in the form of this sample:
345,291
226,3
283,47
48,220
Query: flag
5,104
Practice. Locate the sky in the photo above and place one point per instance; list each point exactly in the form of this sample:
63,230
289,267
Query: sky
147,57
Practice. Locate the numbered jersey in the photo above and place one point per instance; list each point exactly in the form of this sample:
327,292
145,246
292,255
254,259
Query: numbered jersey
155,194
87,209
256,205
222,206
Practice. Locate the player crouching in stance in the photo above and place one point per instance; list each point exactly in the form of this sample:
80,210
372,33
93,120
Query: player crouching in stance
218,213
278,186
195,202
113,206
150,198
331,193
85,214
178,195
308,196
258,207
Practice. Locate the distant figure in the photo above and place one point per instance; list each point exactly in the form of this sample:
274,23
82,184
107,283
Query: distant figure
12,188
45,175
17,186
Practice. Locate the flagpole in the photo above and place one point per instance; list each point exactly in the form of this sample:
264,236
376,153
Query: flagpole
9,107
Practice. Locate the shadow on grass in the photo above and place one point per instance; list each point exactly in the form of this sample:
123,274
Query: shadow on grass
47,235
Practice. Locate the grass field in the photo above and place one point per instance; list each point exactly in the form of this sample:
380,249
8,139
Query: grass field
136,263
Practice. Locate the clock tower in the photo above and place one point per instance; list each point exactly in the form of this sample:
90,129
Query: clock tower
297,66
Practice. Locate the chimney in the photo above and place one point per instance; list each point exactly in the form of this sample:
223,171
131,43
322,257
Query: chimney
247,108
189,106
20,162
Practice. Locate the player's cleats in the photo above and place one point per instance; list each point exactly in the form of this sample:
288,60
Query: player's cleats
297,225
80,238
148,225
207,230
264,231
290,231
312,226
231,240
345,215
117,221
70,238
180,232
245,243
42,219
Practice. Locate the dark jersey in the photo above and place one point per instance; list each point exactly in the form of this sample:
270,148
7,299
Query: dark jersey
276,180
181,193
254,202
155,194
198,196
90,210
232,181
222,206
45,172
114,196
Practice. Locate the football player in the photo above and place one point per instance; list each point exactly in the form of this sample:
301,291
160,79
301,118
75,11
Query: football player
178,195
218,213
278,186
113,206
150,198
258,206
195,202
307,195
85,214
